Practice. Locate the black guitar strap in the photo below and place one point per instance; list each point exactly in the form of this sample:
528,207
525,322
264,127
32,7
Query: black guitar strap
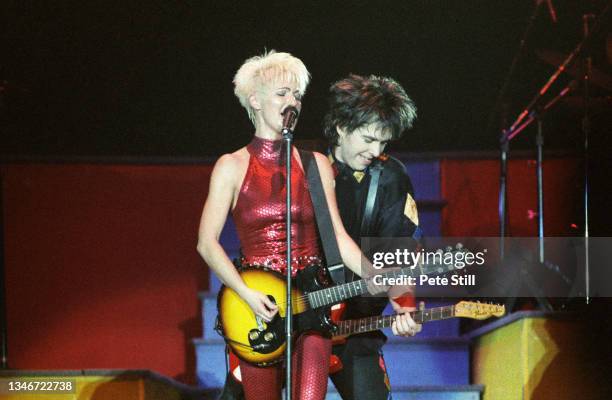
324,223
366,221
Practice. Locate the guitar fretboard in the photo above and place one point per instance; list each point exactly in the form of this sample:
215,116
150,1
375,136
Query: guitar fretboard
384,321
339,293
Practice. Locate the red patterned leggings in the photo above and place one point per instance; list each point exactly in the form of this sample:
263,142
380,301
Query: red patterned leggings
309,366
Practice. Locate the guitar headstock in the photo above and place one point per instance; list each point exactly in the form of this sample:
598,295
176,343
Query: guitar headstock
477,310
443,261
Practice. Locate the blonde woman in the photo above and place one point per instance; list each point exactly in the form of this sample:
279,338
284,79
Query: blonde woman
250,183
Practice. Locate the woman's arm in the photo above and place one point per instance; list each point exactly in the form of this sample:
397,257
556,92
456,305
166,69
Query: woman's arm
351,254
220,198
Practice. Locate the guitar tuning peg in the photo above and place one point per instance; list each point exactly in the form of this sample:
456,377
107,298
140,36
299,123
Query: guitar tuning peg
439,251
459,246
449,249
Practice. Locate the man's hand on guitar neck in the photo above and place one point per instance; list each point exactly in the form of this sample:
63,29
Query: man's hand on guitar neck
404,325
260,304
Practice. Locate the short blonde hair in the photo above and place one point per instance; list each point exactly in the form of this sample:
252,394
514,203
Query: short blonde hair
267,68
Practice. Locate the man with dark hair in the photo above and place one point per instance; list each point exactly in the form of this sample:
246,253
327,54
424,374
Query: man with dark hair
364,114
375,198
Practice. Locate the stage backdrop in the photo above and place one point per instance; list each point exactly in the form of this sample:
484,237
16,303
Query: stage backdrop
101,266
471,189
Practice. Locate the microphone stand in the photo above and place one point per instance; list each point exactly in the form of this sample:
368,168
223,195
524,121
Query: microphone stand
519,125
586,129
535,115
506,137
570,58
3,320
288,138
540,145
503,178
517,57
504,141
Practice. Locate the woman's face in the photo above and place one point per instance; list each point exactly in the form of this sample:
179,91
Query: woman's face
273,99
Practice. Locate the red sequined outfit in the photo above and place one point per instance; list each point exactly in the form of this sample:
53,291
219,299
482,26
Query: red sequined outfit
259,216
260,211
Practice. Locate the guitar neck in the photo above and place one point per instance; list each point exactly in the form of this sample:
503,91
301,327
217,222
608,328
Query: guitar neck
370,324
339,293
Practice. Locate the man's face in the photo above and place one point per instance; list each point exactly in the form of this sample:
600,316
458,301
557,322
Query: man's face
357,149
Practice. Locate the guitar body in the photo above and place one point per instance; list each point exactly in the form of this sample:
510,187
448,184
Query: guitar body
261,343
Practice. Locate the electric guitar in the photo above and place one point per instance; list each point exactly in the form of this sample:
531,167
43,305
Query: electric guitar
463,309
261,343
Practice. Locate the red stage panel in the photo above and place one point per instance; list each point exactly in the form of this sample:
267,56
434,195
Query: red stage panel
471,189
101,266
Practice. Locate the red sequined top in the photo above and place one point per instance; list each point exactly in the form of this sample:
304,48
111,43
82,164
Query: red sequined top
260,214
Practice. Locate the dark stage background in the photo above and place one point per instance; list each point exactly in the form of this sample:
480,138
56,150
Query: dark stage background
153,78
106,89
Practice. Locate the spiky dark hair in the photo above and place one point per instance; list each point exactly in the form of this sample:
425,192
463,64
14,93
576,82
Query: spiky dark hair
357,101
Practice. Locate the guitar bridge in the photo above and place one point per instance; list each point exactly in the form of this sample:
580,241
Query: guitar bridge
260,323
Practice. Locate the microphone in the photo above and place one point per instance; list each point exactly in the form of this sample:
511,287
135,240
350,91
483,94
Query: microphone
289,117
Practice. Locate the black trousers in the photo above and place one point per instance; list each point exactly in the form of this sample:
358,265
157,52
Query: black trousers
232,389
364,375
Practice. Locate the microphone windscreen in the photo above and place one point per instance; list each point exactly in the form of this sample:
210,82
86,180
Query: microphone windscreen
289,117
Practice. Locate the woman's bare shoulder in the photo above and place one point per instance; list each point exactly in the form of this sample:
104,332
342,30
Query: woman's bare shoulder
322,161
320,157
228,165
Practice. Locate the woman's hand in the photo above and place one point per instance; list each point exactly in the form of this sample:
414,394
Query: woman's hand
373,288
261,305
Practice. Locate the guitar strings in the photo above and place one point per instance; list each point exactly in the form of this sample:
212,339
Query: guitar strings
300,300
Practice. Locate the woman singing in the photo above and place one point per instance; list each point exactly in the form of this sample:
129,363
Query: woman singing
251,184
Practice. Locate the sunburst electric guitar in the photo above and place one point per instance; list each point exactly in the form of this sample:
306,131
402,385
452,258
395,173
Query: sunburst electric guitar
463,309
261,343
